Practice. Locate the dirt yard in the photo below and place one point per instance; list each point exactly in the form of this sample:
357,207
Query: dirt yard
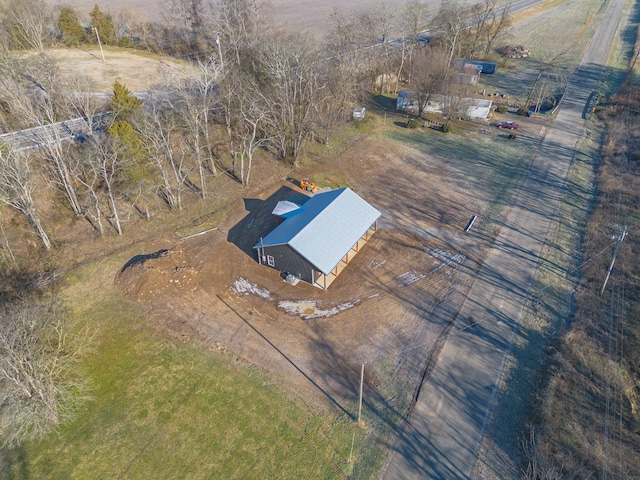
387,308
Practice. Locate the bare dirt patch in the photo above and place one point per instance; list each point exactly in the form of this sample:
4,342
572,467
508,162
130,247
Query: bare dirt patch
387,308
136,70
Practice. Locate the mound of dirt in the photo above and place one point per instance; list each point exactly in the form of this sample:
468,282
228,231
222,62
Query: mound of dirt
146,277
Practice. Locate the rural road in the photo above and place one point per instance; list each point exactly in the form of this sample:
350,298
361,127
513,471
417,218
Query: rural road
65,131
443,433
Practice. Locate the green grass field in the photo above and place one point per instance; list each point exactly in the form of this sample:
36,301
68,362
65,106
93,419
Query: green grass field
161,410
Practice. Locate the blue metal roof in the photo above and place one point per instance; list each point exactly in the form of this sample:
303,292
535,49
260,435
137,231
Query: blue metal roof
326,228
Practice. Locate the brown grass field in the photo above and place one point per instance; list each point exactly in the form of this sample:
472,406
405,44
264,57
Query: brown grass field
296,15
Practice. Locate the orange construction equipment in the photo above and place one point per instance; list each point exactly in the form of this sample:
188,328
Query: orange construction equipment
308,185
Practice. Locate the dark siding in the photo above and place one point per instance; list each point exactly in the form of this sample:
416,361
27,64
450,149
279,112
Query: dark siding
288,260
485,67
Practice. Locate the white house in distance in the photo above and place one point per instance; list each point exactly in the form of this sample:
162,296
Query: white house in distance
476,108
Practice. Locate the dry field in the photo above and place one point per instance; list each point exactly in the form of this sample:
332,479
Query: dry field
138,71
297,15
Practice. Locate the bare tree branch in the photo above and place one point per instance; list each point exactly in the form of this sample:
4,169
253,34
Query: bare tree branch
17,187
39,382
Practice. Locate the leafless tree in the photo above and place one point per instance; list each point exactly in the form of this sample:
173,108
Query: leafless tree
160,131
79,100
186,14
40,98
17,187
227,101
39,383
432,75
29,90
240,25
553,66
369,52
61,167
343,37
451,27
412,21
92,210
456,101
384,20
6,253
336,101
101,167
129,23
293,87
194,100
499,29
27,21
105,163
350,61
489,21
249,131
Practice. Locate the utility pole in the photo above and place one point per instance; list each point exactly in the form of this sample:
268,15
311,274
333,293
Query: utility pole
100,44
361,384
613,260
219,50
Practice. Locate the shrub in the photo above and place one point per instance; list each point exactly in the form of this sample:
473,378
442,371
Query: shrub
523,112
501,109
412,123
512,136
447,127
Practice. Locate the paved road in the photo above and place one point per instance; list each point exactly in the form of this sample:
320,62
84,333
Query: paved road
64,131
449,419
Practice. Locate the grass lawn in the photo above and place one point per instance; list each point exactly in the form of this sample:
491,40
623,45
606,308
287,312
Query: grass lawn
161,410
556,29
492,165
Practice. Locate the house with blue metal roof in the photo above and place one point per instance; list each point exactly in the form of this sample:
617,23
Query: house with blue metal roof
317,240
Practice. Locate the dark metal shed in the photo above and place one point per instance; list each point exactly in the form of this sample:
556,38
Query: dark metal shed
317,242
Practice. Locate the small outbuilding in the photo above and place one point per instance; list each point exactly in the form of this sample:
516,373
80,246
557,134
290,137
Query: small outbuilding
320,238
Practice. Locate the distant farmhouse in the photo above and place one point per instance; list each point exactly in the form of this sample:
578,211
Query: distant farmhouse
474,108
315,241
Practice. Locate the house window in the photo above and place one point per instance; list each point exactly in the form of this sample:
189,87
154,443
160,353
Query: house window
271,261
